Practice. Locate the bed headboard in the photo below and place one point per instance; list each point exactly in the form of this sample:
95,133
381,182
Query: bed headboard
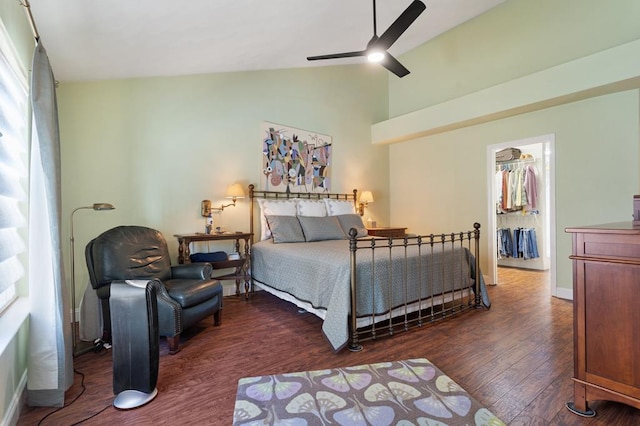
274,195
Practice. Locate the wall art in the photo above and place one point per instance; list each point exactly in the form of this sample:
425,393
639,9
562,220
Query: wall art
295,160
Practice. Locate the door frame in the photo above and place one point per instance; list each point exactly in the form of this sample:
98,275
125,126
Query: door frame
548,162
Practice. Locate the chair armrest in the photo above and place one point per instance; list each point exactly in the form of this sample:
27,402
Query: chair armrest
201,271
169,311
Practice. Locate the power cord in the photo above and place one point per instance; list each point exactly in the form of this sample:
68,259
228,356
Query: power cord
76,398
91,416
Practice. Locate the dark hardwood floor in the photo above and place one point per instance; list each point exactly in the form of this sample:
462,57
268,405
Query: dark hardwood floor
516,359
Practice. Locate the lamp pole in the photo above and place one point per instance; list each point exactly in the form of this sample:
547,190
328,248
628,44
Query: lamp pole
74,326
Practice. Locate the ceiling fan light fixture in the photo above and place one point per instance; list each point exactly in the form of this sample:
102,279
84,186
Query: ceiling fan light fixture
375,56
376,50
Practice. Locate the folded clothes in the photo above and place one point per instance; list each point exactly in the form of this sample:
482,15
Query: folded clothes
216,256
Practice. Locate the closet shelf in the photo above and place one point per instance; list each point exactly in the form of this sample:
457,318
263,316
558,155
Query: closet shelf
517,161
511,164
519,213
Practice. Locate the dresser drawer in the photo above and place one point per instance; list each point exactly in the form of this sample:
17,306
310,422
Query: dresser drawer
608,246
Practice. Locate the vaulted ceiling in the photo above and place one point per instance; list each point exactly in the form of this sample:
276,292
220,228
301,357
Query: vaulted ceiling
93,40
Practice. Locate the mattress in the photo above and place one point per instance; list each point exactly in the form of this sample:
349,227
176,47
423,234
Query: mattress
316,276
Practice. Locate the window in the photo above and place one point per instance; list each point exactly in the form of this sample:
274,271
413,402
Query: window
13,143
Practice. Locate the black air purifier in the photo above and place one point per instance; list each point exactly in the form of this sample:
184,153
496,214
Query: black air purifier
135,346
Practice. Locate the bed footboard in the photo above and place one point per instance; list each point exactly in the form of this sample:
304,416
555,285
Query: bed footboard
411,281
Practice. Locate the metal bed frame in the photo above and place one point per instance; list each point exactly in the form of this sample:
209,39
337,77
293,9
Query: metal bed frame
410,314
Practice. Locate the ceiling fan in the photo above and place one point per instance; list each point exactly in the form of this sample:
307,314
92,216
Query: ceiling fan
376,50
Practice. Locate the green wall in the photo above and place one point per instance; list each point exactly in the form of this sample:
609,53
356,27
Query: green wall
597,139
14,19
596,153
512,40
156,147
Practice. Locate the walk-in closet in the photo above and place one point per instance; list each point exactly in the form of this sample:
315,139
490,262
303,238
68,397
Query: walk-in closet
522,206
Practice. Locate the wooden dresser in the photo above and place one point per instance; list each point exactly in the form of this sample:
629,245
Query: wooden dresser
606,315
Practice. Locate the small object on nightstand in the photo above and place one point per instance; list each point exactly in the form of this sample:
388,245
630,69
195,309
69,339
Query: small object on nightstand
636,210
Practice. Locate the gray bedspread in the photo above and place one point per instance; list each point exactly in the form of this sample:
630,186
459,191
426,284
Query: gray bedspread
319,273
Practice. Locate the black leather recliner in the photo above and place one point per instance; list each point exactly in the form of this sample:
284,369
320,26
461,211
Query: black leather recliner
186,296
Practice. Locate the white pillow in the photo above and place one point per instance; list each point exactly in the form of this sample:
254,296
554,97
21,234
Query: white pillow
315,208
339,207
273,208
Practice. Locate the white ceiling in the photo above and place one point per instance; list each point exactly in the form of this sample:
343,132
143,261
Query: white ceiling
110,39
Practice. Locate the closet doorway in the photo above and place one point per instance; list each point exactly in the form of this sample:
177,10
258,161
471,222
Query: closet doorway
522,233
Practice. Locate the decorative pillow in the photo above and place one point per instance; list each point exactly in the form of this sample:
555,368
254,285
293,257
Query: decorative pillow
338,207
321,228
311,208
348,221
273,208
285,229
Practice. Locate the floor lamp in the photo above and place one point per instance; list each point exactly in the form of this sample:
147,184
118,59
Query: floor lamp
74,327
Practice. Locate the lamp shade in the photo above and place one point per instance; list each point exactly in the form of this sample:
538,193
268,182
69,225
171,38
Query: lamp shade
102,206
366,197
235,191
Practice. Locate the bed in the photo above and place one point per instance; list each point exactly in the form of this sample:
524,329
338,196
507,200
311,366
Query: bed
314,251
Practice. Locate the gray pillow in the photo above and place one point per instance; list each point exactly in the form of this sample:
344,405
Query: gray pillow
285,229
348,221
321,228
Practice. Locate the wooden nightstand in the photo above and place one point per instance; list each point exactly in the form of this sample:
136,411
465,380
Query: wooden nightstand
240,266
390,232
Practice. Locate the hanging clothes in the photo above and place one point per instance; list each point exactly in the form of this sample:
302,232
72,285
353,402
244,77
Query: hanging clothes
505,189
525,243
517,188
531,188
499,181
505,243
521,243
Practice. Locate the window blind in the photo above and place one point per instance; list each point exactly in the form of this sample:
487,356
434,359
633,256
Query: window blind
13,175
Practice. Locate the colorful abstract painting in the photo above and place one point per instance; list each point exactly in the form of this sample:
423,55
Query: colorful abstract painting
295,160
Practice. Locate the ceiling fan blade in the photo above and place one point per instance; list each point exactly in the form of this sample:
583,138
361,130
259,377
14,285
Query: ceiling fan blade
400,25
393,65
337,55
373,42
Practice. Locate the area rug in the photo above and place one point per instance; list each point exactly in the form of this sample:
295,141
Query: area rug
410,392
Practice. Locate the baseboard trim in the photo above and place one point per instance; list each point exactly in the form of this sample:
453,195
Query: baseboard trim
17,402
228,289
564,293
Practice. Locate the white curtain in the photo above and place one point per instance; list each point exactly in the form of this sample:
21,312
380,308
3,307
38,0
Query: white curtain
50,363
